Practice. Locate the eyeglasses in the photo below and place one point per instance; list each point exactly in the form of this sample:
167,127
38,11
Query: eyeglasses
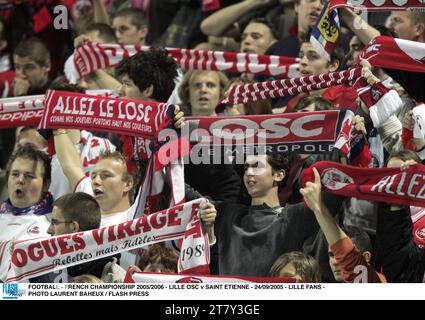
54,222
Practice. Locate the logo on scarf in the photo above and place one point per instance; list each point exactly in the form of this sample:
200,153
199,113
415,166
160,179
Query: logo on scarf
34,230
335,179
376,94
420,233
189,280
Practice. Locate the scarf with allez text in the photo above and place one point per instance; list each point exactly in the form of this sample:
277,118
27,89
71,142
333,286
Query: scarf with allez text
31,258
144,119
389,185
92,56
69,110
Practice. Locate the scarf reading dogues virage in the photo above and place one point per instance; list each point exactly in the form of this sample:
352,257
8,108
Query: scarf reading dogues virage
389,185
32,258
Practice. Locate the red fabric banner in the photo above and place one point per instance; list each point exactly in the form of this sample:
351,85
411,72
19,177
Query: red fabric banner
92,56
123,116
389,185
378,5
387,52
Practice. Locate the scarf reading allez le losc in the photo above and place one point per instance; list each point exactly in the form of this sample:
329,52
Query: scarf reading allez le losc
389,185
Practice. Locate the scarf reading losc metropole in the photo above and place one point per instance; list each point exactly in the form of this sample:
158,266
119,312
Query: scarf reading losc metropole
31,258
389,185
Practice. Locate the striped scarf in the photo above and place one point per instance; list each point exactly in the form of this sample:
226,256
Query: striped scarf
92,56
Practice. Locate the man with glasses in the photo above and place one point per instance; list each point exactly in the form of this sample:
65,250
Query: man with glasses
75,212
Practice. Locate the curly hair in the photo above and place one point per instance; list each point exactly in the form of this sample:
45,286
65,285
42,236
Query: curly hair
159,257
151,68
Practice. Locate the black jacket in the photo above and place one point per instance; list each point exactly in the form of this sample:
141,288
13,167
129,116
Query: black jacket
402,260
251,238
412,82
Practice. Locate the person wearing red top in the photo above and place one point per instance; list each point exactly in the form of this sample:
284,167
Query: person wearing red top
348,263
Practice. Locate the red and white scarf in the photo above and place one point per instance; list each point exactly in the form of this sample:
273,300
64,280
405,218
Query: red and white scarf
381,101
21,111
389,185
399,54
31,258
92,56
144,119
281,88
307,132
82,111
383,52
152,277
378,5
28,110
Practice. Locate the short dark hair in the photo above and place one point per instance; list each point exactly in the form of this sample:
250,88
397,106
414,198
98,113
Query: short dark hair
106,33
267,23
63,86
305,265
359,237
35,49
153,67
80,207
137,16
27,151
336,55
404,154
279,162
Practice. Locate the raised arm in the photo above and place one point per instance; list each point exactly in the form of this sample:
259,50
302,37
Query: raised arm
360,28
222,21
68,157
351,261
313,198
100,13
106,81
